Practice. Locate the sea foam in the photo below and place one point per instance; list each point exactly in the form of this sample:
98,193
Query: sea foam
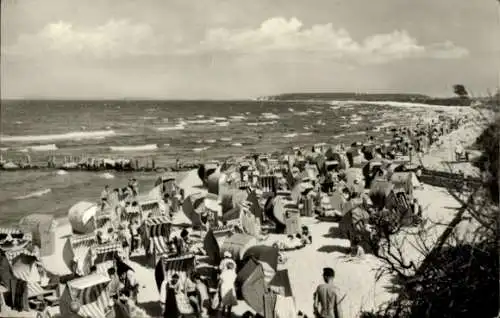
134,148
34,194
65,136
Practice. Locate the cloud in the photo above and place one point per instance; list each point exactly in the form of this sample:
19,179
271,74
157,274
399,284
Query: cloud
276,39
116,38
279,35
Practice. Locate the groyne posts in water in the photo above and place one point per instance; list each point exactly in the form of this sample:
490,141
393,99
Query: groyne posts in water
88,163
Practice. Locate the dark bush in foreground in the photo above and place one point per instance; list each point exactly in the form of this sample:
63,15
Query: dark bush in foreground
489,141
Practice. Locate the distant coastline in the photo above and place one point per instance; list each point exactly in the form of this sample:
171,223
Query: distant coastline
371,97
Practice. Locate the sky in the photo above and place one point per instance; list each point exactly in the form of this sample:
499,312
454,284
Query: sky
238,49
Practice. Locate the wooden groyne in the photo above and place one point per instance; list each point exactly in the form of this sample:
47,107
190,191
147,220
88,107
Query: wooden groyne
92,164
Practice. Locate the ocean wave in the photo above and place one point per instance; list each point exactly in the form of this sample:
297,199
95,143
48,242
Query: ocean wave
290,135
219,118
339,135
291,109
200,149
226,139
49,147
269,116
106,175
263,123
35,194
134,148
237,118
201,121
65,136
306,133
169,128
210,141
237,144
302,114
223,124
61,172
4,149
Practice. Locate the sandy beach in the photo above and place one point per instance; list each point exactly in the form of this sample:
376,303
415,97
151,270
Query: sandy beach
355,277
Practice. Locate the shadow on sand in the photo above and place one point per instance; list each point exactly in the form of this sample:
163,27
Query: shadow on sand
334,232
334,248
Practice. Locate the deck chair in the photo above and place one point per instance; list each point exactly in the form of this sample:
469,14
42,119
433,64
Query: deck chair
105,255
91,296
80,246
182,266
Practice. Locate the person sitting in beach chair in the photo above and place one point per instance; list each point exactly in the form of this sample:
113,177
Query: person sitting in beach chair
135,235
227,258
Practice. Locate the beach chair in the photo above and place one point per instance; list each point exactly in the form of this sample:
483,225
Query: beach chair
87,297
129,213
182,266
156,234
152,208
104,256
268,184
80,246
26,267
9,233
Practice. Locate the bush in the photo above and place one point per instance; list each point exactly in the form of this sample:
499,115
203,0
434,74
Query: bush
488,142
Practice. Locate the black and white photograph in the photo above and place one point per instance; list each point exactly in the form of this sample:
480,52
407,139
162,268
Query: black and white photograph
249,158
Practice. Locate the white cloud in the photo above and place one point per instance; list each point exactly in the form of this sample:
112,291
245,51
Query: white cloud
290,36
276,39
113,39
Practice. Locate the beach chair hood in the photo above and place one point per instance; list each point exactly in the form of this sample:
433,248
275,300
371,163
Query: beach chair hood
42,228
81,216
251,284
166,267
88,295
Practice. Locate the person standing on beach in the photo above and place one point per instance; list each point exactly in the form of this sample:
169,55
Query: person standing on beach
104,197
326,298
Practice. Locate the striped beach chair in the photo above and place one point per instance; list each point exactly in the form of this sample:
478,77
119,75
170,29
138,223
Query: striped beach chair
151,208
9,233
90,295
13,253
104,256
80,246
157,233
306,206
268,184
131,212
182,266
25,268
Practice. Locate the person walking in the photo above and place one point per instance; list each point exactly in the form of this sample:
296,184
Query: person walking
327,303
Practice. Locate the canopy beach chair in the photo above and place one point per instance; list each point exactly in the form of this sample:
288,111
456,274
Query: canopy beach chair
87,297
156,234
82,217
182,266
80,246
42,229
27,268
104,256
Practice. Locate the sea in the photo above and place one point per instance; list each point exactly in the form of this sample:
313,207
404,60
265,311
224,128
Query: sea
163,131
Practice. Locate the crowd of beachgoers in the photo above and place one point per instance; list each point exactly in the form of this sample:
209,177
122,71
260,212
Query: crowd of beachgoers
219,238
